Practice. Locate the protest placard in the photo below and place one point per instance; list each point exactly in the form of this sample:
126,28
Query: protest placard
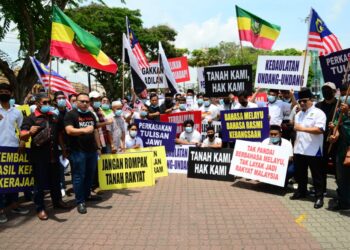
281,72
222,80
179,67
177,159
215,124
180,117
16,172
246,124
265,163
130,170
333,66
211,164
160,167
155,133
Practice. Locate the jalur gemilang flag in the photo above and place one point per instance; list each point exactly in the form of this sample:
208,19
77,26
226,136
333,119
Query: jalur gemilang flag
320,37
137,78
165,68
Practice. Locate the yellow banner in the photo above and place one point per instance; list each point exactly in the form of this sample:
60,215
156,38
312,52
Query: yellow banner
160,165
26,112
130,170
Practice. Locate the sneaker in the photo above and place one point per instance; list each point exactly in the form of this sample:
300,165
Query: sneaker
3,218
20,210
63,192
82,208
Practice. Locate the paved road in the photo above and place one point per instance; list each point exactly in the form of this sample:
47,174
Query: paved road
181,213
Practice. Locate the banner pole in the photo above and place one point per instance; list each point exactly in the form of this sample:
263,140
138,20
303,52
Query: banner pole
307,44
50,68
123,81
242,55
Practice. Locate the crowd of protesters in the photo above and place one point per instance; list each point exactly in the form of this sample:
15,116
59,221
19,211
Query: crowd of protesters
79,128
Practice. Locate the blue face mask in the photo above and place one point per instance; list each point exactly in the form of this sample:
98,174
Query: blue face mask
271,98
105,106
118,112
97,105
45,108
182,107
275,140
199,101
188,129
144,113
61,103
12,102
83,112
221,101
207,103
133,133
74,106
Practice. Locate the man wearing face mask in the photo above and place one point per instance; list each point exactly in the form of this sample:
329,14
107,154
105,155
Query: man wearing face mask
211,141
73,99
243,102
189,135
327,105
168,105
44,153
199,102
106,108
9,117
288,104
209,110
181,106
275,107
117,128
153,109
309,125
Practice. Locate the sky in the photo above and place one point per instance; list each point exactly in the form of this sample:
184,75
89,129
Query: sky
201,24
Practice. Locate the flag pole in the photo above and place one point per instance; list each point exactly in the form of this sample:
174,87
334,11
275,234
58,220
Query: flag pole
242,55
50,68
307,44
123,80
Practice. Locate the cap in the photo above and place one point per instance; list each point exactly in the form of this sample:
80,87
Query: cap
305,93
331,85
115,103
94,94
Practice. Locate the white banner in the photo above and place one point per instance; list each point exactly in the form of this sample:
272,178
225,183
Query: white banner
265,163
177,160
281,72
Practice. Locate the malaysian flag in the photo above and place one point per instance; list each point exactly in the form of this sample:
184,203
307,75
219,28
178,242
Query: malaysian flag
136,47
58,83
320,37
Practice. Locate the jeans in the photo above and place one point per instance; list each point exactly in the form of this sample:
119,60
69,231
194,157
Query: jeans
8,199
83,173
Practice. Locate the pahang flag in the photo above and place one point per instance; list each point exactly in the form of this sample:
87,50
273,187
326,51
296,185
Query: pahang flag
320,37
165,68
136,47
70,41
260,33
137,78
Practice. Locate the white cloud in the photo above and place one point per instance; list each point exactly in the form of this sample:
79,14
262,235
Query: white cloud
207,34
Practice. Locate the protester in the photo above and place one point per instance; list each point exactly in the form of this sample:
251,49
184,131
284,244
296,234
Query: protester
106,108
199,102
289,102
117,128
43,127
181,106
211,141
131,139
342,136
189,135
9,117
275,107
209,111
168,106
309,125
72,100
81,127
243,102
153,109
276,139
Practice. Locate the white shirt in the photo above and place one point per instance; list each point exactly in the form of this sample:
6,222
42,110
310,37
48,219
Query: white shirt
287,145
212,110
130,142
286,110
193,137
250,105
306,143
276,112
207,143
10,120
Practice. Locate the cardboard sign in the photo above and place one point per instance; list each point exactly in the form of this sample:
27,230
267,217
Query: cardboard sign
210,164
160,168
265,163
155,133
222,80
16,172
245,124
130,170
180,117
334,66
178,159
179,67
281,72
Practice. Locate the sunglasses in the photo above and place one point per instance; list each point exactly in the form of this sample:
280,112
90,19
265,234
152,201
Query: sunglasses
303,101
84,102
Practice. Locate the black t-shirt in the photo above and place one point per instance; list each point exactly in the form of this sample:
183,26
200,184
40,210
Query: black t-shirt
328,109
84,142
154,110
